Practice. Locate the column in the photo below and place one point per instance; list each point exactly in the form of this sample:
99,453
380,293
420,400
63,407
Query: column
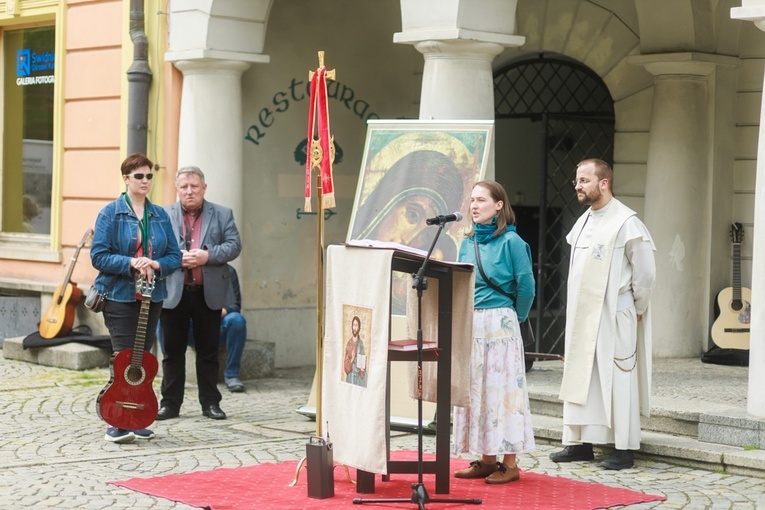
754,10
210,133
459,40
457,80
678,198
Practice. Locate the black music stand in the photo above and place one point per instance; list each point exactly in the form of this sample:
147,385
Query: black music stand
419,493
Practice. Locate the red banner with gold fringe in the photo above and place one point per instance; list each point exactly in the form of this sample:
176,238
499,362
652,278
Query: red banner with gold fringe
320,152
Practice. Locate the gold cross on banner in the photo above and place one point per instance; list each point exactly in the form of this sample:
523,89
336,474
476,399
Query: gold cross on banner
329,74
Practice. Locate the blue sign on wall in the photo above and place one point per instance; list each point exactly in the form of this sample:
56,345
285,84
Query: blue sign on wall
34,67
23,62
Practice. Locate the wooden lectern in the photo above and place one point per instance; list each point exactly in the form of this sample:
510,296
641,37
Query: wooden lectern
410,263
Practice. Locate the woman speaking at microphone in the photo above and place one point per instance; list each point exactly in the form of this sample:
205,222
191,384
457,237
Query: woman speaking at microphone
498,421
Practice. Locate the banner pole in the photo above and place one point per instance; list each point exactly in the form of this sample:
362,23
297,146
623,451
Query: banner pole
320,154
319,301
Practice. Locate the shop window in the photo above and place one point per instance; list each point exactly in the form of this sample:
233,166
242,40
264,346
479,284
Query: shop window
27,149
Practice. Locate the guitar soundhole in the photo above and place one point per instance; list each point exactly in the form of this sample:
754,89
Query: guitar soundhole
736,304
134,375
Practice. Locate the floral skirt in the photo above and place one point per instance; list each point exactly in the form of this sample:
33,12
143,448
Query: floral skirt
499,418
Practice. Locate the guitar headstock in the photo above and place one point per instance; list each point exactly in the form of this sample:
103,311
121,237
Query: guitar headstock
85,237
736,233
145,287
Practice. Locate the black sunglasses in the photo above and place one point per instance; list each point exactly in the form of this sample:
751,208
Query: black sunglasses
139,177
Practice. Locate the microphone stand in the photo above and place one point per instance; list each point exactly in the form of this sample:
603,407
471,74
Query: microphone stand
419,493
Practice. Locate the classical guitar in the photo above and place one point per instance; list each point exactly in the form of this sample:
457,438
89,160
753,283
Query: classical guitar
128,400
731,328
59,317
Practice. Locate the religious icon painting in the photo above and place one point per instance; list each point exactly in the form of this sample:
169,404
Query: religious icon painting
414,170
356,347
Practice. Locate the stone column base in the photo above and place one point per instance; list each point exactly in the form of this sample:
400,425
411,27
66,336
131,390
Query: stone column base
257,361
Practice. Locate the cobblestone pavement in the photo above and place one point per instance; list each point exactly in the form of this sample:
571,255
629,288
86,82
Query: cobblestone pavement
52,452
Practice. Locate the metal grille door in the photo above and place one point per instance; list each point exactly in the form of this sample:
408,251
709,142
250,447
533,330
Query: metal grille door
575,111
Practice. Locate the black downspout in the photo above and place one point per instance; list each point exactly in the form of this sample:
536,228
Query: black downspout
139,82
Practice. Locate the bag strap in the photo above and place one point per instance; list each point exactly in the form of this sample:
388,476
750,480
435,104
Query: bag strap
523,325
483,275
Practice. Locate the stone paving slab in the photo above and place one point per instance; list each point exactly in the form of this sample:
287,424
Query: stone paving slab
52,452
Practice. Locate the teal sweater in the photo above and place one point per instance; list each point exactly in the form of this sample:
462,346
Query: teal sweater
506,260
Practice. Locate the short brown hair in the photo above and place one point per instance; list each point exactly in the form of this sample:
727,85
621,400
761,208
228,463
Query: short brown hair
135,160
602,169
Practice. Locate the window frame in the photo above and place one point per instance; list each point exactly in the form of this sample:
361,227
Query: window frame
22,245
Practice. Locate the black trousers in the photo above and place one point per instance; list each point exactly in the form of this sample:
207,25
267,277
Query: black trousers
175,330
121,320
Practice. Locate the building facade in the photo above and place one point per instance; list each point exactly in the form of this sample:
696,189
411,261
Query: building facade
670,91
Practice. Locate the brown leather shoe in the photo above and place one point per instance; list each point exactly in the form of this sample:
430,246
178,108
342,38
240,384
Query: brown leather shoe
504,474
477,469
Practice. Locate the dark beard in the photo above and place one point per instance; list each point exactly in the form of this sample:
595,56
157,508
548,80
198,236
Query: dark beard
587,199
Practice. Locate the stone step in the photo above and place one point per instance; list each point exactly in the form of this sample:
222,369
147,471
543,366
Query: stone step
257,359
72,355
711,436
718,423
672,449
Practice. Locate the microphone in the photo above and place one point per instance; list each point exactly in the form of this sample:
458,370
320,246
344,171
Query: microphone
445,218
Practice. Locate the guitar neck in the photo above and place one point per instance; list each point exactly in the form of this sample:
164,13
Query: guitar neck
68,275
736,272
140,333
88,233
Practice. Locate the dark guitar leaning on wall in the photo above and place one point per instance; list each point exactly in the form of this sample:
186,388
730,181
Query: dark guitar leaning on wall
59,317
128,400
731,327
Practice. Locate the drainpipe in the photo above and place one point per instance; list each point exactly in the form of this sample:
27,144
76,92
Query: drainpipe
139,82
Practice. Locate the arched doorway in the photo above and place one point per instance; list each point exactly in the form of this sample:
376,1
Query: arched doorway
551,112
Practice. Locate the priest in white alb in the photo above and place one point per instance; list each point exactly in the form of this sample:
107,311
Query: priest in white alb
607,370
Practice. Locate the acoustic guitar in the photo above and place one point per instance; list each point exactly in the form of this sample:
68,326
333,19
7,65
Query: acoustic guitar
731,327
59,317
128,400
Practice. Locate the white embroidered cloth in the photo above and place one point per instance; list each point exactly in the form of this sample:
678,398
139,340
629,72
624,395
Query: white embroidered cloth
357,286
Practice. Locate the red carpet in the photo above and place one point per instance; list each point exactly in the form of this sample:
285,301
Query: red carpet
265,486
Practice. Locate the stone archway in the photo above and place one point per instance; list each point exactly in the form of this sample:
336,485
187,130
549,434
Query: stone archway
551,112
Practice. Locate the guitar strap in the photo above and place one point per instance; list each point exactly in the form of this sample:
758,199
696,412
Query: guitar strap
143,225
483,275
526,330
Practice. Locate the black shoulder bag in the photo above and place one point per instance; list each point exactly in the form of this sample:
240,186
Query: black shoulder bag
526,332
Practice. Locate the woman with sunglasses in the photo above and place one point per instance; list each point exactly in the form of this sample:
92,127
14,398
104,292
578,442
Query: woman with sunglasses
133,238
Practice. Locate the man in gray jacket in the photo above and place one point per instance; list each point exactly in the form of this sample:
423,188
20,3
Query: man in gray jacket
208,239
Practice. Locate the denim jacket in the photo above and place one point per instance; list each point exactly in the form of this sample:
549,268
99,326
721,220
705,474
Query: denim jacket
114,243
